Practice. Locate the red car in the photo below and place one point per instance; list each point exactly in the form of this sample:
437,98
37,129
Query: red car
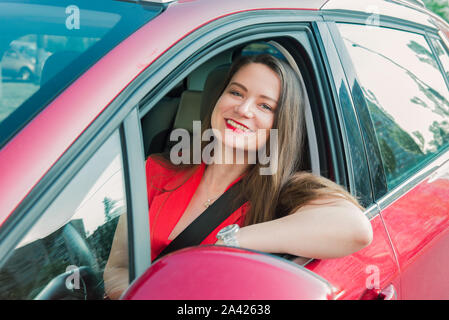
123,74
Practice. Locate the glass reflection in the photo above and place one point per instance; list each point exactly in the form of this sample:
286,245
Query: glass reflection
406,95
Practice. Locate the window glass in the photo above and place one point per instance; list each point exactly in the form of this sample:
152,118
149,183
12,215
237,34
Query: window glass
64,255
406,95
45,45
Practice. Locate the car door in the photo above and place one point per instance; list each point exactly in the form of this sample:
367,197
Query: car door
372,272
337,137
405,92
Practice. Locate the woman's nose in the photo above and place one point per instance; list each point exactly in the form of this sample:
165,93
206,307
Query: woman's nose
245,108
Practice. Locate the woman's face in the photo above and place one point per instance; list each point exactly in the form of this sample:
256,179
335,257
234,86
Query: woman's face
244,113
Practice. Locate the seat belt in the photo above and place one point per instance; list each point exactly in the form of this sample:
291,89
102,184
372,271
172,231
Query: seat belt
208,221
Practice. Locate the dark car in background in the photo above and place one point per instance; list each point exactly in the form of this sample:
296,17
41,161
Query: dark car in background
123,74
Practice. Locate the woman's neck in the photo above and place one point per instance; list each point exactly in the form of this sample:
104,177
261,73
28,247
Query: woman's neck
227,165
217,177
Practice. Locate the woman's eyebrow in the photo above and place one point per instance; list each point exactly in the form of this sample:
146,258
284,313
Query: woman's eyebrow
246,90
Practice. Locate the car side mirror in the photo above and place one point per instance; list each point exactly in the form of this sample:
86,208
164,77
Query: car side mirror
224,273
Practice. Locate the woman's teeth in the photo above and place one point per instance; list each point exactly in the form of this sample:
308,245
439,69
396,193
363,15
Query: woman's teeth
238,126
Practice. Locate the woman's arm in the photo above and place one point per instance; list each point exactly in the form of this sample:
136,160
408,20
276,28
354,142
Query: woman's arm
324,229
116,273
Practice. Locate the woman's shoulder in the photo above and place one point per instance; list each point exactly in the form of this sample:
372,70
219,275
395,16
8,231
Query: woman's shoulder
161,173
159,170
156,163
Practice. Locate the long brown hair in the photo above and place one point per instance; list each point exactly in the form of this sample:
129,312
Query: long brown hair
287,189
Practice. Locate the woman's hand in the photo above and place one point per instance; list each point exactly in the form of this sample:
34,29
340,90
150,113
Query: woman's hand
116,273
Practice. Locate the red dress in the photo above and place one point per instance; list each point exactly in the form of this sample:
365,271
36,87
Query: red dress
167,207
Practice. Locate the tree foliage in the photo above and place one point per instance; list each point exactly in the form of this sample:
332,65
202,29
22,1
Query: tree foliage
440,7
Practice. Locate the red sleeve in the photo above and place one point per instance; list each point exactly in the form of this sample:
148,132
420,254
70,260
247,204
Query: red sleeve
157,176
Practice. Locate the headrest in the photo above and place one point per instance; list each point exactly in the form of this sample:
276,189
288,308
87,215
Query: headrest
197,78
55,63
188,110
212,88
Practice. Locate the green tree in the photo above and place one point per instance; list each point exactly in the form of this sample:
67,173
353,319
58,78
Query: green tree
109,205
440,7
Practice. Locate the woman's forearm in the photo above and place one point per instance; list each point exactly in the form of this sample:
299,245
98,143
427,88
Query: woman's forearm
315,231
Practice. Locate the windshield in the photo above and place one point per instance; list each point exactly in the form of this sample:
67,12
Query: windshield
45,45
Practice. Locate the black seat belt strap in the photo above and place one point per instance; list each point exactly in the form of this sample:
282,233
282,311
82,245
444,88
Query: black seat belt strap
209,220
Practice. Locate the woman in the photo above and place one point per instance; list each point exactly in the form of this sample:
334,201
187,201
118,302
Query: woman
286,211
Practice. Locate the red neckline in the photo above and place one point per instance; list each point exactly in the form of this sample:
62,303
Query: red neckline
195,180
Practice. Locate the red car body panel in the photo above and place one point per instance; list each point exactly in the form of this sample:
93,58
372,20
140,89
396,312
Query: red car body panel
418,224
373,268
231,274
33,151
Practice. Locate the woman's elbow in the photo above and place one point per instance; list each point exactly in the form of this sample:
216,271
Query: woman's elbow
363,235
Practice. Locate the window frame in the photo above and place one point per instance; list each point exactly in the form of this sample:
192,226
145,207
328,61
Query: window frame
299,31
176,64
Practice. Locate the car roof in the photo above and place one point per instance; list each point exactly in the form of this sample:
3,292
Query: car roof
407,11
250,4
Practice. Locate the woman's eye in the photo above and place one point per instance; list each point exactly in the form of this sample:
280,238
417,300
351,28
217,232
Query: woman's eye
235,93
266,106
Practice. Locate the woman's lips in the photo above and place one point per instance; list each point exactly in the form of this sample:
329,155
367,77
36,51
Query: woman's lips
236,126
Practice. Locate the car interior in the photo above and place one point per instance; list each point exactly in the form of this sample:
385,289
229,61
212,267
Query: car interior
191,98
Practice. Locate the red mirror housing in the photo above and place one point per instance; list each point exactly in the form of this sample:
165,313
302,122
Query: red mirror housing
223,273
